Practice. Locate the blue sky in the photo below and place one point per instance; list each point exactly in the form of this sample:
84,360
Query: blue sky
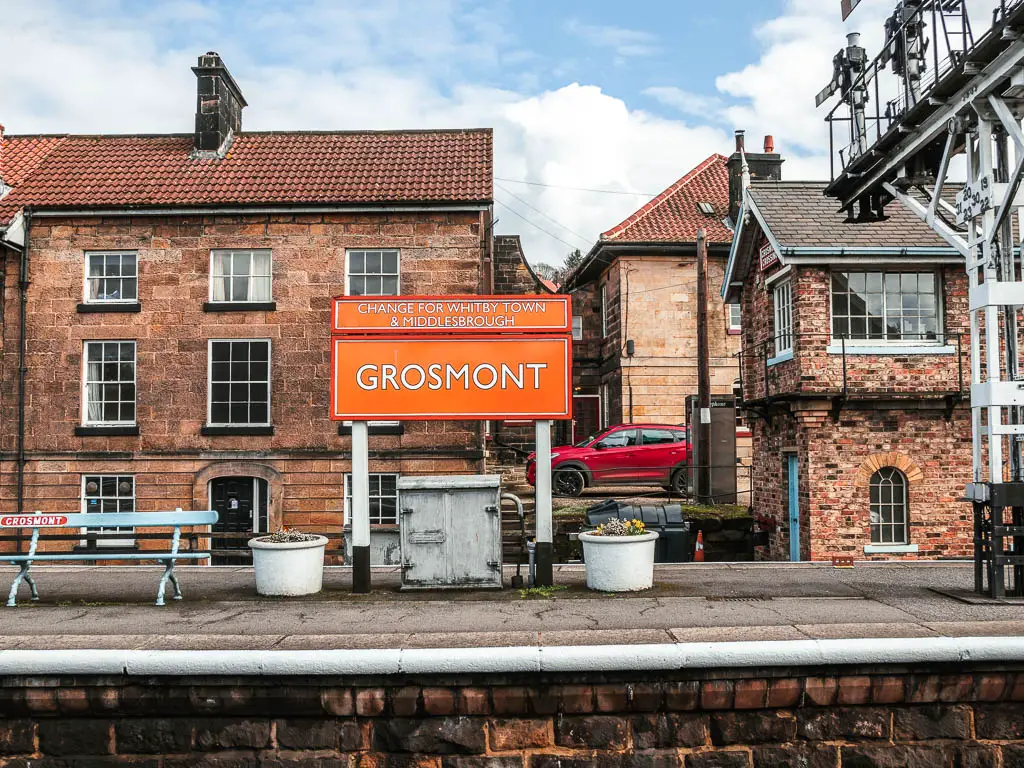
610,95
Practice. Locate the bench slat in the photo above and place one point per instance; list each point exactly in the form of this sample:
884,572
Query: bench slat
43,556
109,519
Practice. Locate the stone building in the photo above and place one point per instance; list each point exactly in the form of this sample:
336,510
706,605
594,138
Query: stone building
170,297
637,292
855,376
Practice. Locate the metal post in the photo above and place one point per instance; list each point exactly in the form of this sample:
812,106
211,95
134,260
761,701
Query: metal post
360,508
542,506
703,375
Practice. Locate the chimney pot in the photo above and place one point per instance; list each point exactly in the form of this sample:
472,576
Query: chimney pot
740,140
769,144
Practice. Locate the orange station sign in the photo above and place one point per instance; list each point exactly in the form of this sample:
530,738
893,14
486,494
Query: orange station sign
480,377
418,358
454,314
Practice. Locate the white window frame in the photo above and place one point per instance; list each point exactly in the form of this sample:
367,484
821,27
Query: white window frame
398,273
86,422
398,256
782,333
904,502
577,328
119,542
837,342
347,494
85,277
733,317
251,252
604,310
209,384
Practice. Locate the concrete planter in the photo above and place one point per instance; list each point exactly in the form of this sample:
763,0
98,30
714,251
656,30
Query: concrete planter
619,563
288,569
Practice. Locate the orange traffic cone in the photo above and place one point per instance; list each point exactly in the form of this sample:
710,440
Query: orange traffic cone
698,551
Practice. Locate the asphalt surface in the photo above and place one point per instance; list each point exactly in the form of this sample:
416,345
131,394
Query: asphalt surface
112,607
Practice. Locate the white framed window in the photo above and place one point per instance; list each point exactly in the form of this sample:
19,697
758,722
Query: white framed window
604,310
733,317
383,498
372,272
111,277
889,523
577,328
108,383
107,494
239,383
886,306
783,318
244,276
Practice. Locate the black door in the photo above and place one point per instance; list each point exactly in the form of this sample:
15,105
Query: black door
241,506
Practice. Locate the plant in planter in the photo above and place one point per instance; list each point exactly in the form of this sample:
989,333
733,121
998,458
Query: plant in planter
619,555
288,563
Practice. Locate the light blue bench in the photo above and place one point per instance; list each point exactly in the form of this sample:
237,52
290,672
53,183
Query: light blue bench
90,524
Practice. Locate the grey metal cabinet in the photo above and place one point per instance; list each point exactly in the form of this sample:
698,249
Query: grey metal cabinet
450,531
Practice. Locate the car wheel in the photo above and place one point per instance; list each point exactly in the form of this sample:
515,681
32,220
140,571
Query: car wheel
567,482
681,483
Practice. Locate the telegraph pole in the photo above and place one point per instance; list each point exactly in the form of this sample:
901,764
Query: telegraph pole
703,375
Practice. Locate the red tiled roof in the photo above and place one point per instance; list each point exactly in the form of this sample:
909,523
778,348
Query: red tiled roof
259,169
19,155
673,216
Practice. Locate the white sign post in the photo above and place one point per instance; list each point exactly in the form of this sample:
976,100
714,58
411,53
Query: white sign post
542,490
360,508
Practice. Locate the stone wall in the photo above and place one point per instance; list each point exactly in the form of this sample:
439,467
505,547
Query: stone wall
441,253
942,717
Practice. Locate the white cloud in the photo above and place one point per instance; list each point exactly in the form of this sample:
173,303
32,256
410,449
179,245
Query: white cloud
623,42
347,64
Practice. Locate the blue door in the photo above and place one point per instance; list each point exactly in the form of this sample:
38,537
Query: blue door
794,507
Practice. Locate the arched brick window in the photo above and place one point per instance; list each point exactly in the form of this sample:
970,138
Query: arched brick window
889,507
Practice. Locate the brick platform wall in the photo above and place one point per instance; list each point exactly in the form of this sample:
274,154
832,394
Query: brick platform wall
940,718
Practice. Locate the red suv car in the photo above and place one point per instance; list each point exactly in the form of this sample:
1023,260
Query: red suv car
626,454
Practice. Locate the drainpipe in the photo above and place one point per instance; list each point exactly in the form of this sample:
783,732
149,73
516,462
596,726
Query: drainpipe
23,283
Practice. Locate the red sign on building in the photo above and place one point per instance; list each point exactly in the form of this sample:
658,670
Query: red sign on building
767,255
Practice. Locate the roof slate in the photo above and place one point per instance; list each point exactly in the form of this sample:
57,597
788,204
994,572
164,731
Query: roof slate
286,168
673,216
800,216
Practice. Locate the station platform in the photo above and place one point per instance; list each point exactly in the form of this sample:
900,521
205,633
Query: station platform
111,608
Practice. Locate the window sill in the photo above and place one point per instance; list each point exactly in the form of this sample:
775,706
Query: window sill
374,429
128,306
211,431
889,549
891,349
239,306
781,358
733,331
109,431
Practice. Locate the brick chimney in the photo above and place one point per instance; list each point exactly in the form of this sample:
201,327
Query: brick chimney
219,106
759,166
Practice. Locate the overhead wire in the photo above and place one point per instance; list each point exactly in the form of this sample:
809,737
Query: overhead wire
584,238
576,189
534,224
